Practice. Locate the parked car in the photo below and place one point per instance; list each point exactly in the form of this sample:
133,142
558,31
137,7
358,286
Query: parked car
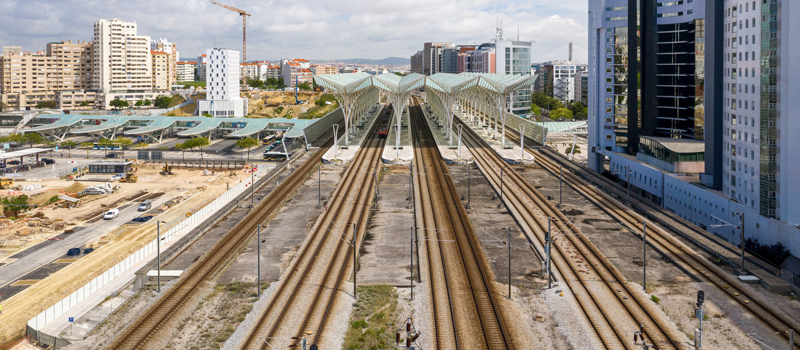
111,214
74,251
48,161
111,155
12,162
88,250
146,205
143,218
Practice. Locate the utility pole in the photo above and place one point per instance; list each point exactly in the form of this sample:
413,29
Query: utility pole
319,186
355,247
644,255
500,205
412,263
469,185
253,185
547,239
258,262
509,263
460,127
628,177
741,228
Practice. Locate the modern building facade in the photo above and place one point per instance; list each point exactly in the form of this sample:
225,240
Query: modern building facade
122,61
26,79
564,84
514,57
480,60
9,50
222,85
432,57
672,76
416,62
295,72
72,65
320,69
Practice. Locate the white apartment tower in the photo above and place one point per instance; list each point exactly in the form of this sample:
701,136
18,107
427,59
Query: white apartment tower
122,61
164,45
514,57
759,97
222,85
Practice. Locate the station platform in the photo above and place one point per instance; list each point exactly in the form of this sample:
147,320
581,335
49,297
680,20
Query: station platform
404,155
342,153
450,153
510,152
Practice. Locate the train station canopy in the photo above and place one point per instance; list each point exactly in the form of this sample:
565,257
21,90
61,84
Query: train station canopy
350,88
500,87
398,89
448,88
576,127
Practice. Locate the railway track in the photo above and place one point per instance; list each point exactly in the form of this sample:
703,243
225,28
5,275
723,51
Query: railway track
465,311
316,276
140,332
679,252
613,307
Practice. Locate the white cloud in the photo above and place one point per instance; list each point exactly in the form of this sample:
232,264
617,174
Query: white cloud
313,29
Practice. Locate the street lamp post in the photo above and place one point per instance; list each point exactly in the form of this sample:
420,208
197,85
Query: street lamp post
500,205
335,140
741,228
522,142
460,127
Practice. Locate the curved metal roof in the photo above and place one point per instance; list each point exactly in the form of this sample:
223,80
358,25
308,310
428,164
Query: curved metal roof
396,84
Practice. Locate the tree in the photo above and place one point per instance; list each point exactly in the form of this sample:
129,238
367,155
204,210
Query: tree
561,113
304,86
32,138
117,103
579,110
183,147
88,145
85,104
141,144
16,204
162,101
400,74
247,143
536,110
569,149
201,142
208,115
106,144
2,106
69,145
46,104
148,103
139,103
124,142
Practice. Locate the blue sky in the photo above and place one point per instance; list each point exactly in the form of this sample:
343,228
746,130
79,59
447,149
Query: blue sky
311,29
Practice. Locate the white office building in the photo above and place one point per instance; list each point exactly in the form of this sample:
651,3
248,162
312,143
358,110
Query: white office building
122,61
514,57
222,85
565,88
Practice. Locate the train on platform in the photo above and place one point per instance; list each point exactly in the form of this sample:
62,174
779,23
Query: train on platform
382,133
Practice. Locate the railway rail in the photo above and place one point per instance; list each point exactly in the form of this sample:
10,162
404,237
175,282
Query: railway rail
139,333
466,314
316,276
614,308
679,252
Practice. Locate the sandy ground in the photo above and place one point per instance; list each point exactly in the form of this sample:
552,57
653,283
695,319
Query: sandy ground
149,180
286,100
199,191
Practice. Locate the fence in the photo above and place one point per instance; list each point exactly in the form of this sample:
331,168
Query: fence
84,292
46,341
533,131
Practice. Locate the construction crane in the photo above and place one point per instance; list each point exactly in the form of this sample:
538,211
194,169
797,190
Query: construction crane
244,15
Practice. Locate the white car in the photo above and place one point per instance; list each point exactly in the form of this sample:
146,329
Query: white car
111,214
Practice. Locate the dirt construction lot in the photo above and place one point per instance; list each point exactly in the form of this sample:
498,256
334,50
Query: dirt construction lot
196,189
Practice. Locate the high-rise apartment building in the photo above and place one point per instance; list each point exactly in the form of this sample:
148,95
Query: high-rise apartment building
122,61
416,62
185,71
295,72
26,79
222,85
162,70
164,45
72,65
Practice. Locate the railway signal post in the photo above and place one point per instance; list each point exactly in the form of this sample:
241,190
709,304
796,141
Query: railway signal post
644,255
698,336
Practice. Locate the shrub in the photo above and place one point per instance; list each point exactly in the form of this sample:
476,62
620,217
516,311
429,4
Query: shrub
655,299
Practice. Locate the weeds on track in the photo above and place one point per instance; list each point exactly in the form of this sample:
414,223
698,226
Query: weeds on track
372,324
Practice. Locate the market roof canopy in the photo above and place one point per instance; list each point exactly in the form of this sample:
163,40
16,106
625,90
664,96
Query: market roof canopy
397,84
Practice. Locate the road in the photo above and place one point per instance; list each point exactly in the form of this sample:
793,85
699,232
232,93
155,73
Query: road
47,251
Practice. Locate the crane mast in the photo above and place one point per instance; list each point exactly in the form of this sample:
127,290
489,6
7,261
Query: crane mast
244,15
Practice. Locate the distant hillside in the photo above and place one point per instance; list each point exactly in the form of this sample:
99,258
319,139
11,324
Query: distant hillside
390,61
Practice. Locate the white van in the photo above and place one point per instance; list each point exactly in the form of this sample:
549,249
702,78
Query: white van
146,205
111,214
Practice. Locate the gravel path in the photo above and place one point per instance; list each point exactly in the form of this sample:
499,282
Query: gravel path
239,336
569,319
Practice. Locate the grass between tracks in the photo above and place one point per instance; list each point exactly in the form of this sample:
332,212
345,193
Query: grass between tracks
216,317
372,323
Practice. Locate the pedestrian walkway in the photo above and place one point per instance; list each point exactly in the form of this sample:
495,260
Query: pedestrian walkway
510,151
405,153
342,153
452,154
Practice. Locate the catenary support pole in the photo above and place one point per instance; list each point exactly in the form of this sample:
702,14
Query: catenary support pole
742,230
644,255
412,262
158,254
560,185
547,250
258,262
355,247
509,263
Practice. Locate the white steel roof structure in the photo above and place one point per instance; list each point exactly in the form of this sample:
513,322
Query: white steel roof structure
500,88
354,92
449,88
399,89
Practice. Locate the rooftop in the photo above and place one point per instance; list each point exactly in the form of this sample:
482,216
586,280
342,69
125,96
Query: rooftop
679,145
